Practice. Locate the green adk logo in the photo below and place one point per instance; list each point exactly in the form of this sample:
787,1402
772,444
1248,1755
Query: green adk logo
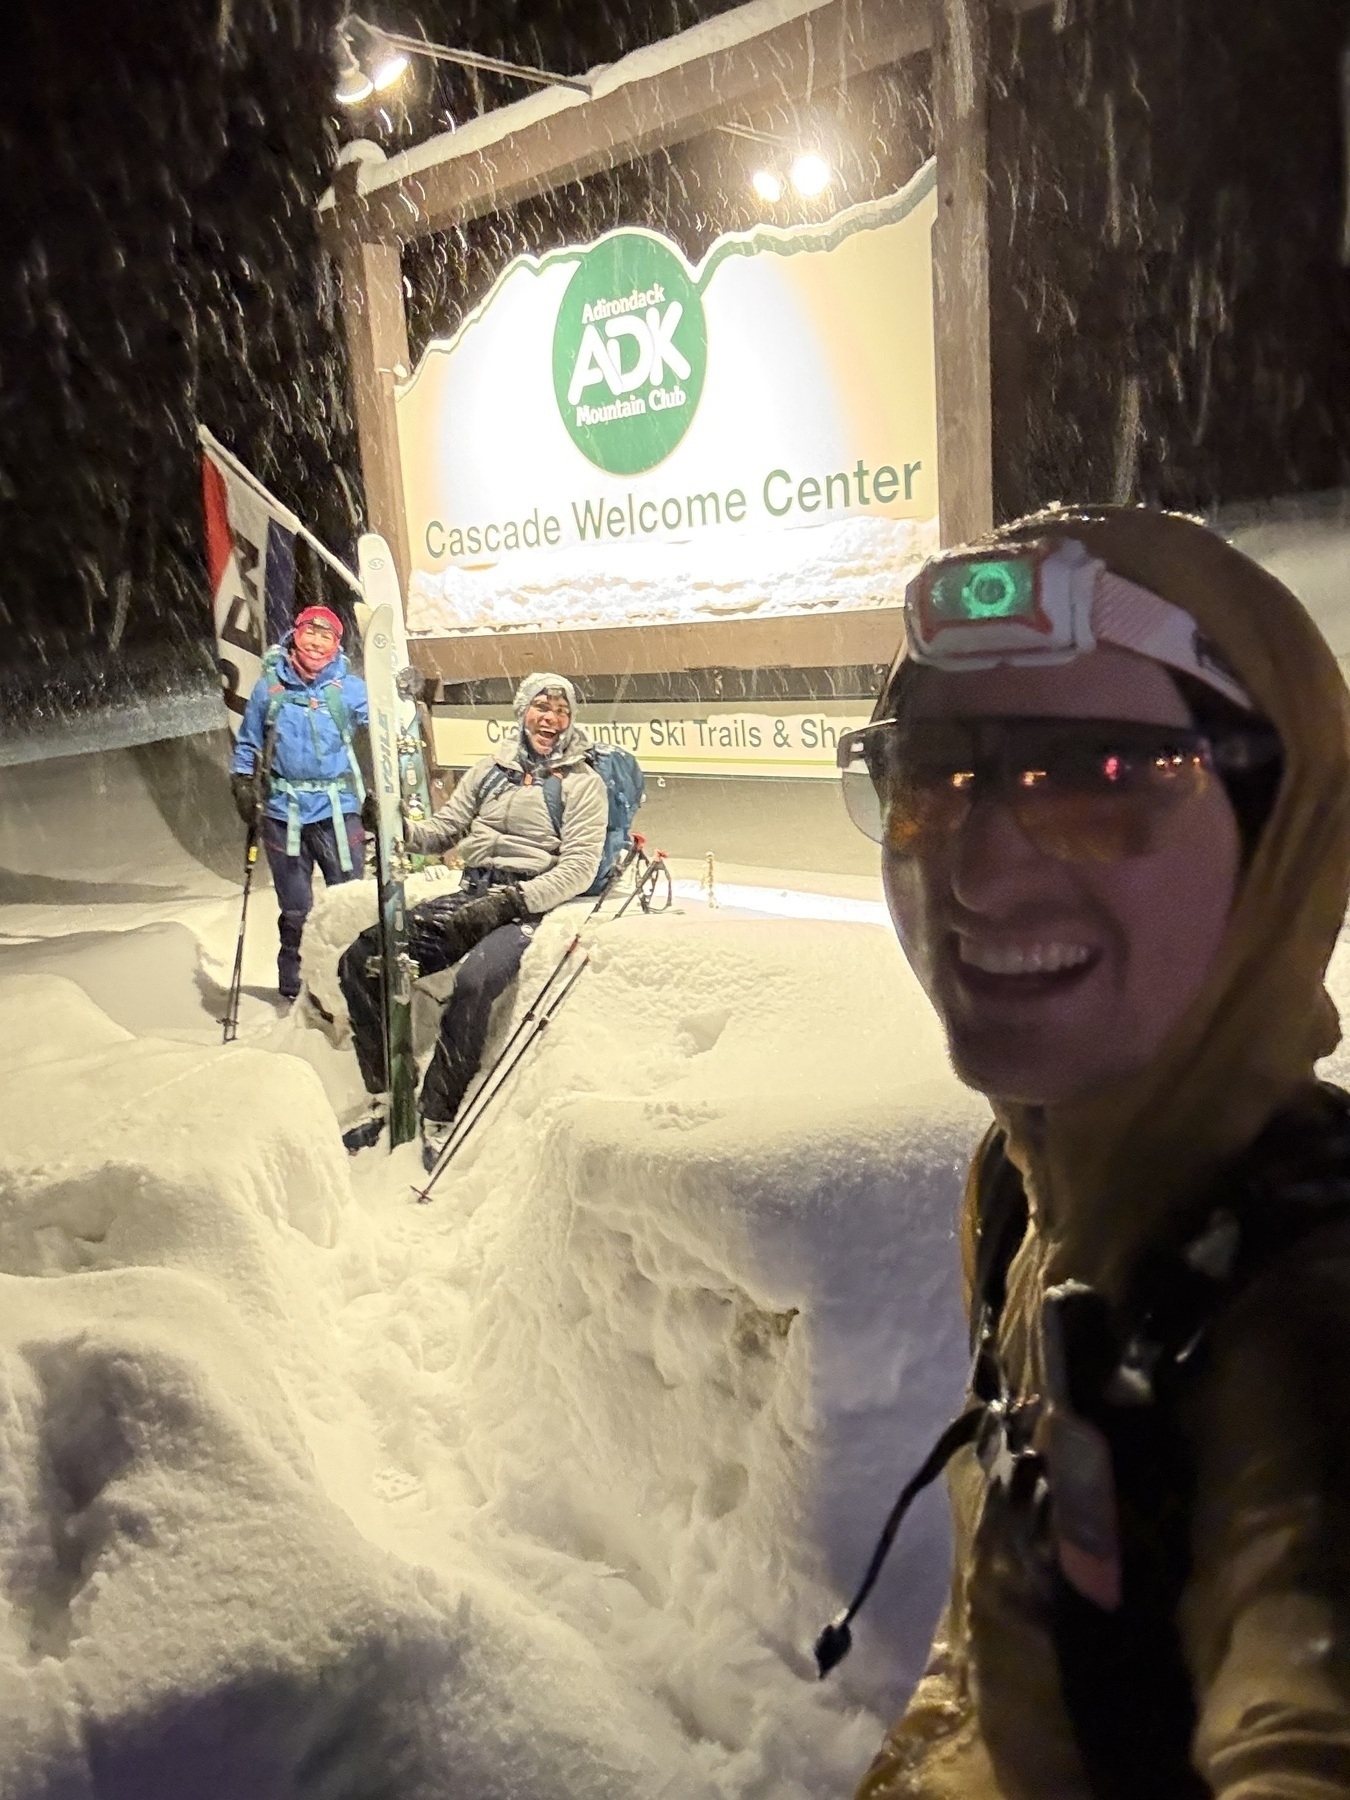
630,349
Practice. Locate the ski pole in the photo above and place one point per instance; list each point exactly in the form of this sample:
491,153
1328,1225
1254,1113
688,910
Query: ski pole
381,962
237,976
471,1114
250,863
504,1065
644,888
500,1073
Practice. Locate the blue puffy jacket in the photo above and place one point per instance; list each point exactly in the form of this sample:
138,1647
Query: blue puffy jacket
308,747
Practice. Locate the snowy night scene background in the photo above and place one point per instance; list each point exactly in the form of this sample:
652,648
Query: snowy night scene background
545,1489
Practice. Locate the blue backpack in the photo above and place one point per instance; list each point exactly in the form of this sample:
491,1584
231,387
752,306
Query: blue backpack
624,783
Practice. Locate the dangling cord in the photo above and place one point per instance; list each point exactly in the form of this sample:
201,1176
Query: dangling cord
835,1642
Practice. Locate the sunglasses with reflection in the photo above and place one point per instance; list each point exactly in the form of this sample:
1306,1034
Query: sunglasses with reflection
1081,790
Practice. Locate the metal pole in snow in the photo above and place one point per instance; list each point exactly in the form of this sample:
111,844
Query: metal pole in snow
283,512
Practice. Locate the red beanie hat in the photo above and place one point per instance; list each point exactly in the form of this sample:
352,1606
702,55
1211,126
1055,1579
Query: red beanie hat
321,615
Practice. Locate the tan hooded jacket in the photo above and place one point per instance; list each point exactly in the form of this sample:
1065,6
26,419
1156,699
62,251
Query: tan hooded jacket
1265,1616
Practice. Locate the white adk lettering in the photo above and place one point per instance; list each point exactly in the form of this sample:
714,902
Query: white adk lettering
602,358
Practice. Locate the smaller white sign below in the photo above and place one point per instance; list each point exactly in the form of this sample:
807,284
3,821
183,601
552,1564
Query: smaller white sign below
796,742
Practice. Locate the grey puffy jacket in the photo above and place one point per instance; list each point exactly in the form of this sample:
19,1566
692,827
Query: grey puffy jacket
511,828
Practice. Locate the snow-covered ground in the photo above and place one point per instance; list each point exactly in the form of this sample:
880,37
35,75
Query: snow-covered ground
541,1490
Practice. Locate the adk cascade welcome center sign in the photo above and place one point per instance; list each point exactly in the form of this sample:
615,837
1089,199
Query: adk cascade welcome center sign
612,393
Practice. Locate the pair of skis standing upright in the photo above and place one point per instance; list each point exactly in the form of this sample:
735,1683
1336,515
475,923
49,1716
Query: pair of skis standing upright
401,789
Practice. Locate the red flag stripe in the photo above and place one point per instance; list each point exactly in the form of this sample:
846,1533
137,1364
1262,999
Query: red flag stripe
215,504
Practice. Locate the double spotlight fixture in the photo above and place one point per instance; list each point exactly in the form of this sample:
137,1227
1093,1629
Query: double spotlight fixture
808,172
809,175
372,61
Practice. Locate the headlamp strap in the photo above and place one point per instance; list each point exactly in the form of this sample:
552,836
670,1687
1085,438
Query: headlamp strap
1048,601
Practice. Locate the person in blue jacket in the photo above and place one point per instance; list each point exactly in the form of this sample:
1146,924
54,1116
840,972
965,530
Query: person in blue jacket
298,762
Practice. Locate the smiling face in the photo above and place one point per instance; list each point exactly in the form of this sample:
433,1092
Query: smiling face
1051,977
547,717
316,639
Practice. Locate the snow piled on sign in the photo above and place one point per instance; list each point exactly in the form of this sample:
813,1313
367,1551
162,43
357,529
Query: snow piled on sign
541,1490
842,565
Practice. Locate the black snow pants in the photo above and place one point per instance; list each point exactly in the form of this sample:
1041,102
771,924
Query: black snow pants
293,882
480,978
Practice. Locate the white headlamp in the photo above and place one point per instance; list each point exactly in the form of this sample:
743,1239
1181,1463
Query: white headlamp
1046,601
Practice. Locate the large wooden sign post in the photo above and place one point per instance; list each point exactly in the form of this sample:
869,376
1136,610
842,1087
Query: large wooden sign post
715,73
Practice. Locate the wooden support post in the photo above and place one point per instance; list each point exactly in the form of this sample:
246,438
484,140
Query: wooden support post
377,346
961,269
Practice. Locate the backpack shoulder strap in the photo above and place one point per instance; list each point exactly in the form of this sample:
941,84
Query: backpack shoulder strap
552,789
1001,1216
494,781
336,702
1292,1182
277,692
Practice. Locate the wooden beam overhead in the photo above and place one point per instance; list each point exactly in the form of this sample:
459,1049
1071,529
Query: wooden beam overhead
644,103
961,270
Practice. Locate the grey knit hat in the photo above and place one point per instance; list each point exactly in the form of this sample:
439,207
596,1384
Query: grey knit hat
543,681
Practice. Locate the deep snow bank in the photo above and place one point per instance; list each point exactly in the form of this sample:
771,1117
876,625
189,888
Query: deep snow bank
542,1490
185,1601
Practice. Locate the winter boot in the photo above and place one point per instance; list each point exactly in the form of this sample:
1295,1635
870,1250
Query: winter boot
366,1130
290,929
435,1133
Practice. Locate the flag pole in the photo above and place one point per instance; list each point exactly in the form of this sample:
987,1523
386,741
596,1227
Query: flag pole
287,517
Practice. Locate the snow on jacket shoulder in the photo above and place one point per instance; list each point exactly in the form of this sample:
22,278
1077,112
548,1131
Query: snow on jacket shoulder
308,745
506,824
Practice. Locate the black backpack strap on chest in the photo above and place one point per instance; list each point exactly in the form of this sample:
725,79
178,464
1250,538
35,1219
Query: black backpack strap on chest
1000,1227
1123,1670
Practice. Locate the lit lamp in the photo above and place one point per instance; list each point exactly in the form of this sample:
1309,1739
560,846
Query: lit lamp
353,84
371,60
811,175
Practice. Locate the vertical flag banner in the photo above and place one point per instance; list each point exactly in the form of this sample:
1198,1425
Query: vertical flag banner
250,556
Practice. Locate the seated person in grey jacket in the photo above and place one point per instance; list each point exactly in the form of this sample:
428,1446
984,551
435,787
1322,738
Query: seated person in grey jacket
517,867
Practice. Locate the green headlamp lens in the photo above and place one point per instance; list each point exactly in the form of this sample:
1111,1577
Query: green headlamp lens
966,593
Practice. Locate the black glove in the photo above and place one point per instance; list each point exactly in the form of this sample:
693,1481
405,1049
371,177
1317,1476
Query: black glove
499,906
247,791
411,683
464,926
370,813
